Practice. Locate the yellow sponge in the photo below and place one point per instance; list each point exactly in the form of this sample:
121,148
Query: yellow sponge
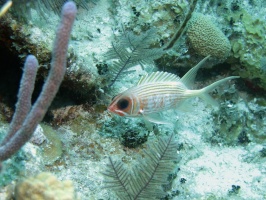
44,186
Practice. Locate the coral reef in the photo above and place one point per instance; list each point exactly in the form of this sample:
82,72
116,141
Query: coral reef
222,149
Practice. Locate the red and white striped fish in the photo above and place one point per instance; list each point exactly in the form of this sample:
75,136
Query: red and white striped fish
161,91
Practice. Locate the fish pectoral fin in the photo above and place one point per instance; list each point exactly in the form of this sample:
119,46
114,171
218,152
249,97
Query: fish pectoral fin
156,118
148,125
185,106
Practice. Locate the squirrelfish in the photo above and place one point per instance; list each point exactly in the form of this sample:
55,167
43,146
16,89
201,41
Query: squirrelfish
161,91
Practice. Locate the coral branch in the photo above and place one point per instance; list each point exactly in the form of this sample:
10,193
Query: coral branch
16,140
180,31
23,105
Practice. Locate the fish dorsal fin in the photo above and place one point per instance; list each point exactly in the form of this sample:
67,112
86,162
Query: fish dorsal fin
158,77
189,78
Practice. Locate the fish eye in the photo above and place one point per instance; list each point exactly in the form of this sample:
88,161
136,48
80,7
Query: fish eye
122,104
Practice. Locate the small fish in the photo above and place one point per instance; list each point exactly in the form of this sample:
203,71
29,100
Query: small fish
161,91
5,8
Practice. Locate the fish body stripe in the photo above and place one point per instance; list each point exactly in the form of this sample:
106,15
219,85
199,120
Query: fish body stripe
156,97
135,106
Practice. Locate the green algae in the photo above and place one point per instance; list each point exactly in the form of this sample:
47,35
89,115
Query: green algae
248,43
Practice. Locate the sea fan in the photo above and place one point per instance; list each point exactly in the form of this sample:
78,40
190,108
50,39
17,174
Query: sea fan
145,180
131,50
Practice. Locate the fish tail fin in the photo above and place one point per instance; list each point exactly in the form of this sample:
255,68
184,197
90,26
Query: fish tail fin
203,93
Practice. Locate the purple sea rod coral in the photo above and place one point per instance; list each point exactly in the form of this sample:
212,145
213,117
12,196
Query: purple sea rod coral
26,118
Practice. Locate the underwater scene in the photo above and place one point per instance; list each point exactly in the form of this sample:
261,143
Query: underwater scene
132,100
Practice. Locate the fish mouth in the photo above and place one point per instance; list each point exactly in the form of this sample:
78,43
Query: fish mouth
120,113
115,111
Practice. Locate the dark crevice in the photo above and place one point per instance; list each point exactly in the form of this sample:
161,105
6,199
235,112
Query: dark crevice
11,72
9,77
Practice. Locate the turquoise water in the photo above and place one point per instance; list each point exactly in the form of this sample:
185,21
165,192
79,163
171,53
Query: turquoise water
82,150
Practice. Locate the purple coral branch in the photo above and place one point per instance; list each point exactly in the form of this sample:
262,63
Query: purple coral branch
23,105
25,119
